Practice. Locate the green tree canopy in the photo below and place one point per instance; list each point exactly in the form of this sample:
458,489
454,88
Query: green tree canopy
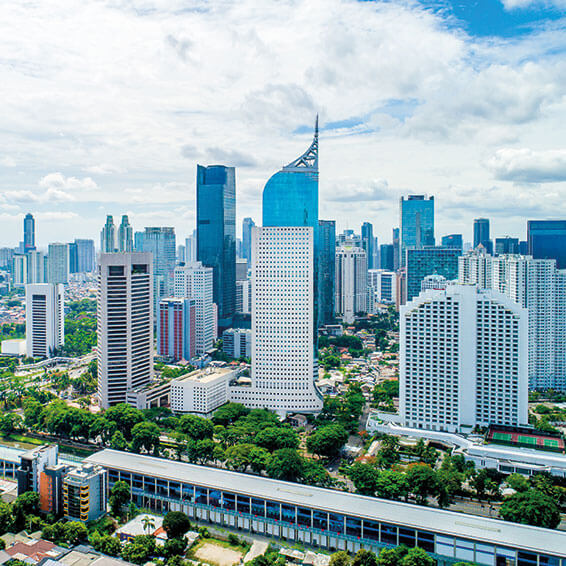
531,508
195,427
176,524
285,464
328,440
119,496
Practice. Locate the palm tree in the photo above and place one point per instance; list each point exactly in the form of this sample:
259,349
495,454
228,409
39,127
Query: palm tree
148,523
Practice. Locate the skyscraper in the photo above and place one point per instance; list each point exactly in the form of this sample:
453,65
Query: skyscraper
194,281
125,235
19,270
453,241
124,325
506,245
481,234
326,270
160,243
463,360
108,236
85,255
416,223
351,282
36,267
429,261
247,225
58,263
396,249
216,234
29,233
368,244
386,256
284,365
176,328
45,322
547,240
73,257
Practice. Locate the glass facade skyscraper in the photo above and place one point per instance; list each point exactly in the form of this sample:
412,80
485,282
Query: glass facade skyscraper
247,225
216,234
547,240
326,271
368,244
453,241
481,234
417,223
29,233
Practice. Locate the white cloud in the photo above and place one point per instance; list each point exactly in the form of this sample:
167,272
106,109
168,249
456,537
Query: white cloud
528,166
521,4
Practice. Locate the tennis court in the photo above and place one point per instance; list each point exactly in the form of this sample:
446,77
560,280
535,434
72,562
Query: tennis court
551,442
526,439
502,436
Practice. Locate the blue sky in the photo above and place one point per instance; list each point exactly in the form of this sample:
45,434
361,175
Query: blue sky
107,109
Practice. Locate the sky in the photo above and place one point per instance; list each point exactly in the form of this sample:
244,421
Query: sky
108,106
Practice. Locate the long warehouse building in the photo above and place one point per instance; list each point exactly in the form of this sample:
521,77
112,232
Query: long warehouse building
327,518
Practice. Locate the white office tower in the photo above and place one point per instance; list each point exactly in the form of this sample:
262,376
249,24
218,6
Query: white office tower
463,360
244,296
194,281
351,281
384,283
58,263
538,286
124,324
284,365
19,270
45,319
191,248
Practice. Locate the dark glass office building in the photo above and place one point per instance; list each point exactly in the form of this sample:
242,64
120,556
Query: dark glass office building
481,234
417,223
327,270
506,245
387,257
428,261
547,240
368,243
216,234
247,225
453,241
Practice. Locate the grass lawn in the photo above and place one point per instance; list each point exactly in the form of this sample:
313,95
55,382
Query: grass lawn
217,552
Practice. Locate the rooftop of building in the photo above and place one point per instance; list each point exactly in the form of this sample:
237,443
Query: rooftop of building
413,516
205,375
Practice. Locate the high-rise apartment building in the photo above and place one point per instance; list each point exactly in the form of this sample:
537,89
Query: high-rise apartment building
194,281
29,233
176,329
138,241
452,241
383,284
125,236
428,261
124,324
396,249
191,248
326,271
481,234
45,319
19,270
534,284
85,493
463,360
108,236
216,234
368,244
73,257
58,263
546,239
416,223
284,365
237,343
351,282
160,243
36,267
244,296
247,225
85,256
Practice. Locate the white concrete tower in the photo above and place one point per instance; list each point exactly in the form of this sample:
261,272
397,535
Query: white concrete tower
125,324
283,342
194,281
463,360
45,319
351,281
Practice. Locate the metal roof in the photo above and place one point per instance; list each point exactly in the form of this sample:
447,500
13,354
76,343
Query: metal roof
440,521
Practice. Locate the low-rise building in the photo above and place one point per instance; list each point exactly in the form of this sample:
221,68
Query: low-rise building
201,391
152,394
85,493
237,342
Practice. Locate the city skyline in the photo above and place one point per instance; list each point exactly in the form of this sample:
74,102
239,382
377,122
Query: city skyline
469,114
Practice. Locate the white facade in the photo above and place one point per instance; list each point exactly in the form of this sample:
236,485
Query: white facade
36,267
384,284
351,282
19,270
237,342
195,282
538,286
124,325
58,263
45,319
284,366
201,391
463,360
244,296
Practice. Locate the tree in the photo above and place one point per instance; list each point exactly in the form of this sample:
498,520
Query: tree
238,456
5,517
364,477
391,556
174,547
75,532
118,442
364,558
195,427
259,458
229,413
146,435
105,543
119,496
274,438
314,473
28,502
139,550
176,524
328,440
285,464
388,453
125,416
422,482
340,558
148,524
392,485
531,508
417,557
